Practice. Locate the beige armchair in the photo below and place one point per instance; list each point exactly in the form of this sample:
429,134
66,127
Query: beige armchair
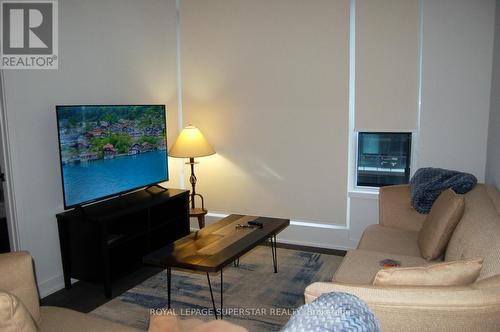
17,278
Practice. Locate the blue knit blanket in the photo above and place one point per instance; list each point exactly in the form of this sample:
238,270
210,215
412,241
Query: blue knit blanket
428,183
334,312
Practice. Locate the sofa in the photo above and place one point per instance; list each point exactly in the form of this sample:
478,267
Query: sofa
17,278
472,307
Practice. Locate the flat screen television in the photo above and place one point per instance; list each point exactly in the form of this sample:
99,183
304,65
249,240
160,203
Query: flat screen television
107,150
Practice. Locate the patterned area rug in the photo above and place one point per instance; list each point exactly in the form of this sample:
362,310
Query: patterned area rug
254,296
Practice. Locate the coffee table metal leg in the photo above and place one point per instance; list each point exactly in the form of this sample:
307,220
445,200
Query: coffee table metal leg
212,295
274,251
169,284
221,294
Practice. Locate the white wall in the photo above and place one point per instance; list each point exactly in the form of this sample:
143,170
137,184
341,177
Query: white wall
456,79
363,212
114,51
457,45
493,161
123,51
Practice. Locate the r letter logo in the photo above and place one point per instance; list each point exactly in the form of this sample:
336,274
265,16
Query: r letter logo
29,34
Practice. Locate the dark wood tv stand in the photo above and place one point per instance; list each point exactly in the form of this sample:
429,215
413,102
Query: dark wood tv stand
104,241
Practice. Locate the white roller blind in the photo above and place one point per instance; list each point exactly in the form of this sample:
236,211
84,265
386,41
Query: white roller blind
267,83
387,65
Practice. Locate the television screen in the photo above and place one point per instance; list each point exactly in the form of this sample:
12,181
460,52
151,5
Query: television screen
107,150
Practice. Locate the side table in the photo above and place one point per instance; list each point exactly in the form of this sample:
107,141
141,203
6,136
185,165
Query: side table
200,214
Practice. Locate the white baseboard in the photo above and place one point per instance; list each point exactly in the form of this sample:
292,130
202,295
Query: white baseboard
325,236
51,285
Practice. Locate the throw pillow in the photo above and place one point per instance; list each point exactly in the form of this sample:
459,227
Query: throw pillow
455,273
335,311
440,224
14,317
171,323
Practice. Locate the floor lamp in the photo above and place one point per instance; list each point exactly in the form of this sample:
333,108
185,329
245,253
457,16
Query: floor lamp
192,144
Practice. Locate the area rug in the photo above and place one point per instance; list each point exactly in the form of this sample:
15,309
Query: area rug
254,296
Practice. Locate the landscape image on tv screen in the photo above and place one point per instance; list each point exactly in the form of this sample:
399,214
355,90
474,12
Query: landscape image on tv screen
106,150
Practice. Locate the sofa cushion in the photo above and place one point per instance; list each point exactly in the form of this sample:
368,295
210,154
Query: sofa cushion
456,273
55,319
491,282
395,208
478,233
360,266
494,195
14,317
440,224
390,240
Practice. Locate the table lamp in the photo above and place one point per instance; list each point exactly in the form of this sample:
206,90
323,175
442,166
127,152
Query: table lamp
192,144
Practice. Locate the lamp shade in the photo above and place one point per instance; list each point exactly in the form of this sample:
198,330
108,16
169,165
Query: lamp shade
190,144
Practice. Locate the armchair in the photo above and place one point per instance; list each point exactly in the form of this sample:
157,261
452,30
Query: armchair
17,278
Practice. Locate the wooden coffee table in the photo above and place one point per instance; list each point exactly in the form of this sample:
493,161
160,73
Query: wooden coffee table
214,247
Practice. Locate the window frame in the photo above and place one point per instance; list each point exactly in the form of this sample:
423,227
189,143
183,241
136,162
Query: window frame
375,190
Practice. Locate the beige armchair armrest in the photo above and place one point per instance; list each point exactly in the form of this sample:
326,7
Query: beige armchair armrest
423,308
395,208
17,278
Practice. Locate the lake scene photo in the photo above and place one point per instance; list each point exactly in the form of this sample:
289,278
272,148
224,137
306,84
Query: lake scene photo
107,150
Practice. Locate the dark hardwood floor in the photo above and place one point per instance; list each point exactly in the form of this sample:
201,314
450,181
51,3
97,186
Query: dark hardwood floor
4,236
85,296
